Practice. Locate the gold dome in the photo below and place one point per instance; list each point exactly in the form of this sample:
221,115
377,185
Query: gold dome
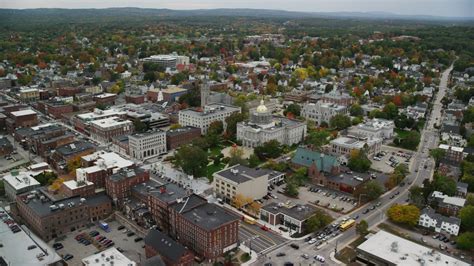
262,108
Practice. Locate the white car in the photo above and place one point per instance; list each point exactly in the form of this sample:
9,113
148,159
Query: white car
319,258
312,241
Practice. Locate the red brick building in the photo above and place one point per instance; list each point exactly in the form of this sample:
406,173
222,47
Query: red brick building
171,252
209,230
136,99
105,99
181,136
68,91
104,130
57,109
49,217
119,185
21,118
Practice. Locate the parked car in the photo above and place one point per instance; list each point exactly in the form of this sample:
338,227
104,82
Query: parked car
121,227
280,254
68,257
305,256
138,239
295,246
130,234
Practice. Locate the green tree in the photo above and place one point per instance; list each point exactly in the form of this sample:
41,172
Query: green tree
444,184
139,125
362,228
270,149
465,241
253,161
371,190
404,214
46,177
317,138
358,161
437,154
215,128
318,221
390,110
356,110
293,108
231,122
236,156
192,160
417,196
291,189
340,122
466,214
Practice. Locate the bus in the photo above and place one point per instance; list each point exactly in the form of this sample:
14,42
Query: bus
248,219
347,224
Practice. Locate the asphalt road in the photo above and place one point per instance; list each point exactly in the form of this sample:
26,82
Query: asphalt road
429,140
257,239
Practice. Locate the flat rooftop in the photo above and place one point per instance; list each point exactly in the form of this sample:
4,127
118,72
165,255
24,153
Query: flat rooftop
182,130
240,173
400,251
22,179
108,257
211,110
168,192
15,246
108,122
23,112
210,216
98,114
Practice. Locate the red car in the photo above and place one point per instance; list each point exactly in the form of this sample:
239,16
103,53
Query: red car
264,228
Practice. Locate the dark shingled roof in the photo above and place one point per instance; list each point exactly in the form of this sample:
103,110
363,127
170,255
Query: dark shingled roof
165,246
75,147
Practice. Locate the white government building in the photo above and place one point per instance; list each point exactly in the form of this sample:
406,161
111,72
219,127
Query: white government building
146,145
203,119
375,128
322,112
263,127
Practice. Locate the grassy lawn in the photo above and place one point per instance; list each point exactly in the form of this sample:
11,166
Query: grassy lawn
215,151
401,133
211,169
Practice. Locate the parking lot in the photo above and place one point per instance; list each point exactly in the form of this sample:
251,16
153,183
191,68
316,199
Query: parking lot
390,157
131,249
326,198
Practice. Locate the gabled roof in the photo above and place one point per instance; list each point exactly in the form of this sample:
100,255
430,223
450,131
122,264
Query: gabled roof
306,157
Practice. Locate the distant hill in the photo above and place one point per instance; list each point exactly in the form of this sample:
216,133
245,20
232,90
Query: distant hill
239,12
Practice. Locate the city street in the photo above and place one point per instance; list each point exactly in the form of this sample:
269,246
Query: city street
257,239
421,168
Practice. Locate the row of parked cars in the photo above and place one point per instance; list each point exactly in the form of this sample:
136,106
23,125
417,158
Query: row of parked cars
10,222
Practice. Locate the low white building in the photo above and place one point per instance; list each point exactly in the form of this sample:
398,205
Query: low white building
322,112
432,220
109,256
344,145
241,180
383,248
143,146
19,182
375,128
204,118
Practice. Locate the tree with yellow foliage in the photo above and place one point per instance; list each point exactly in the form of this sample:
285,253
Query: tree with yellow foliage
254,207
240,201
404,214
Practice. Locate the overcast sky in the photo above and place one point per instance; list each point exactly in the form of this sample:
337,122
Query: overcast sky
451,8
